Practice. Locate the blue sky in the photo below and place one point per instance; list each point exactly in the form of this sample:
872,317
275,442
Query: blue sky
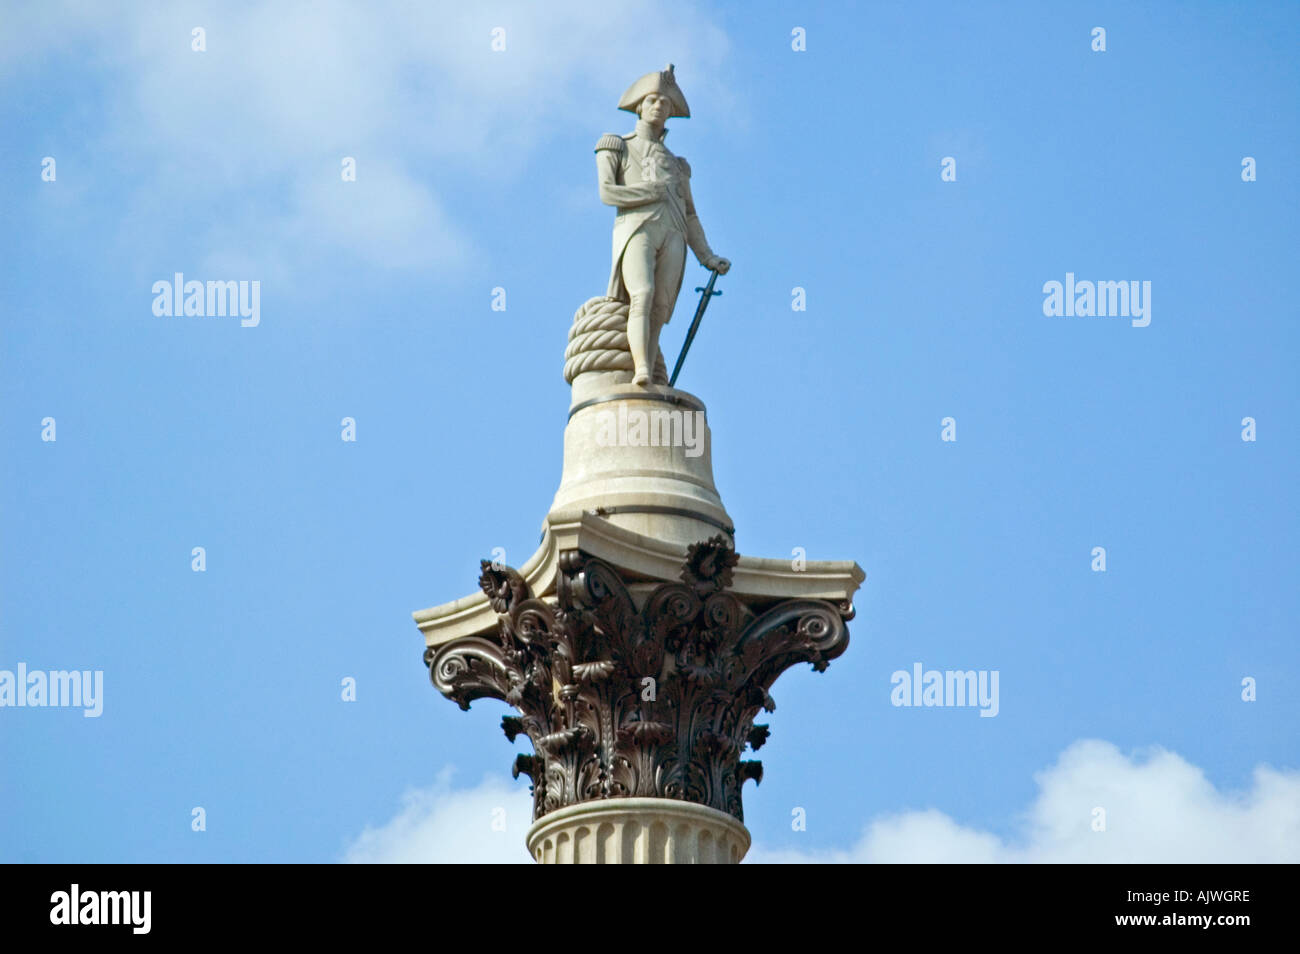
817,169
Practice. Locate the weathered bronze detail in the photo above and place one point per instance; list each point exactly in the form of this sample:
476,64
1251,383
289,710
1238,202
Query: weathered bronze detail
624,698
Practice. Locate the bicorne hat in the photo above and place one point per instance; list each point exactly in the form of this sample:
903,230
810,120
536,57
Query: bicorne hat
662,82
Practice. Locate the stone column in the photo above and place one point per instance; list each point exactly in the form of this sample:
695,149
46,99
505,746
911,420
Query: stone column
638,831
636,646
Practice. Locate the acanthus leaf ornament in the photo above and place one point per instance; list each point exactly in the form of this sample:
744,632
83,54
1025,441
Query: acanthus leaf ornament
577,667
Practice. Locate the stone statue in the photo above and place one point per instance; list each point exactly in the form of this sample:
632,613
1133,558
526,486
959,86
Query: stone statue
656,220
636,583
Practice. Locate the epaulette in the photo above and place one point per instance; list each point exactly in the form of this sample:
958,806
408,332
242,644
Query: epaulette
610,141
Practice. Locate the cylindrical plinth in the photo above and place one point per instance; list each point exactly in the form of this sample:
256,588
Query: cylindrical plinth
641,458
638,831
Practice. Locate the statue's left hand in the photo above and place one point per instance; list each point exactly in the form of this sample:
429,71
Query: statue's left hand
718,264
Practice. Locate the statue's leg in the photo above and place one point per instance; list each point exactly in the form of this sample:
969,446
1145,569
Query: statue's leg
639,278
668,282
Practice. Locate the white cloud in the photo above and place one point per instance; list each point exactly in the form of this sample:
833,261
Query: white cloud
255,127
1159,808
442,824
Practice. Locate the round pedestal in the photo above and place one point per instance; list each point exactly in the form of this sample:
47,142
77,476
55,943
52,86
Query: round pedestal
641,457
638,831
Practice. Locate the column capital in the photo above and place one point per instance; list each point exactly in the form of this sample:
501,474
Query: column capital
635,688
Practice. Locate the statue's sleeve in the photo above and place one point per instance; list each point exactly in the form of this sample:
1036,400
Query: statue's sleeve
609,155
694,230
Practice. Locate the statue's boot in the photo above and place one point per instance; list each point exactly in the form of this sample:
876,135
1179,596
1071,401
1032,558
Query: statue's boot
638,338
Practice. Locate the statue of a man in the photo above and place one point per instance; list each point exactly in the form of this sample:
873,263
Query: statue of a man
651,188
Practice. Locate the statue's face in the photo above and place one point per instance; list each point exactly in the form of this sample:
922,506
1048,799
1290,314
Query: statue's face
655,108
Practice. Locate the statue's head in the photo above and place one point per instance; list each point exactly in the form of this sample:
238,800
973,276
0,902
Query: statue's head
656,97
655,108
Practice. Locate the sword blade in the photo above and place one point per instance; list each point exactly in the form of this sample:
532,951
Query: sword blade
708,293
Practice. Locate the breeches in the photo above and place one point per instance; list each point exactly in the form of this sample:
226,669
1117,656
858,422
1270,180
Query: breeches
652,269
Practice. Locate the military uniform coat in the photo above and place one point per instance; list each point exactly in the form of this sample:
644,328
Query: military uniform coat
627,168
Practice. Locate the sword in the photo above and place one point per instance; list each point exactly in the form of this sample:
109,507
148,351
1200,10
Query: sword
695,323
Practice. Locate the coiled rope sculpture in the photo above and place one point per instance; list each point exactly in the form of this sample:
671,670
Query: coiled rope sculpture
598,341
